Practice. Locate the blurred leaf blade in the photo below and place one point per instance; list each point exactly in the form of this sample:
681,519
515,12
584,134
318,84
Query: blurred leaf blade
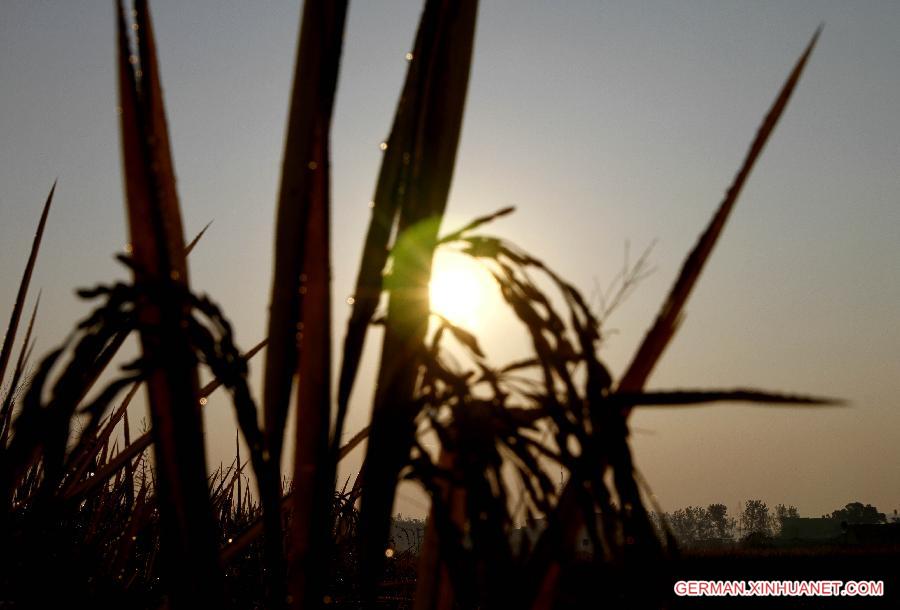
687,398
300,308
436,91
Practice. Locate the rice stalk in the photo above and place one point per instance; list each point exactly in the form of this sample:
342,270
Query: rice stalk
157,252
300,306
438,77
663,329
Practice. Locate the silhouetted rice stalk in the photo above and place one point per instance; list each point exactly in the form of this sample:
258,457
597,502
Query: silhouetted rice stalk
663,329
300,309
157,252
133,449
436,84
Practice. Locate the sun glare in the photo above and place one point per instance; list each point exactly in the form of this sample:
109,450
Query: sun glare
459,289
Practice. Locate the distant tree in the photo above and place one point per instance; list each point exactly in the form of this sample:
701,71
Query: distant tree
682,526
703,526
856,512
755,520
720,525
690,524
693,524
783,512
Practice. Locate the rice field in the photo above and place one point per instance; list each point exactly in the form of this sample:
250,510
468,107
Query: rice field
97,514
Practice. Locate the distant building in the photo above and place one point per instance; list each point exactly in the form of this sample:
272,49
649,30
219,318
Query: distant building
799,530
872,534
803,531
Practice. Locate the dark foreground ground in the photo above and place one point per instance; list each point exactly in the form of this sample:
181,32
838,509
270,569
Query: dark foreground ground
582,587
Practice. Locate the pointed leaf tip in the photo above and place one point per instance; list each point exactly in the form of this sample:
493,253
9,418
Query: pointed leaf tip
666,323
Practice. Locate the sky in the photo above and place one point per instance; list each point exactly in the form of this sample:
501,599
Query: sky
604,124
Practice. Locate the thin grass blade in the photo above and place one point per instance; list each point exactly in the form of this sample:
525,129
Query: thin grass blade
10,338
8,400
190,246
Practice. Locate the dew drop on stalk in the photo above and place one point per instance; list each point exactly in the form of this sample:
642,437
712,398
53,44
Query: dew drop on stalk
383,146
350,300
312,165
203,401
409,56
371,205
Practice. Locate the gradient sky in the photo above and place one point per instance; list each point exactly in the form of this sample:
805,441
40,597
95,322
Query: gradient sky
602,122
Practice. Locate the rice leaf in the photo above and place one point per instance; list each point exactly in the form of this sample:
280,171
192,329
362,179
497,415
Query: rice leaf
7,408
437,85
663,329
192,573
687,398
300,306
190,246
314,474
10,338
478,222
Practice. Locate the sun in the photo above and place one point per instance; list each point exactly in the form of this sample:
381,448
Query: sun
459,289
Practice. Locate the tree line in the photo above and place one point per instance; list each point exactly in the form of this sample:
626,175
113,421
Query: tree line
697,524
